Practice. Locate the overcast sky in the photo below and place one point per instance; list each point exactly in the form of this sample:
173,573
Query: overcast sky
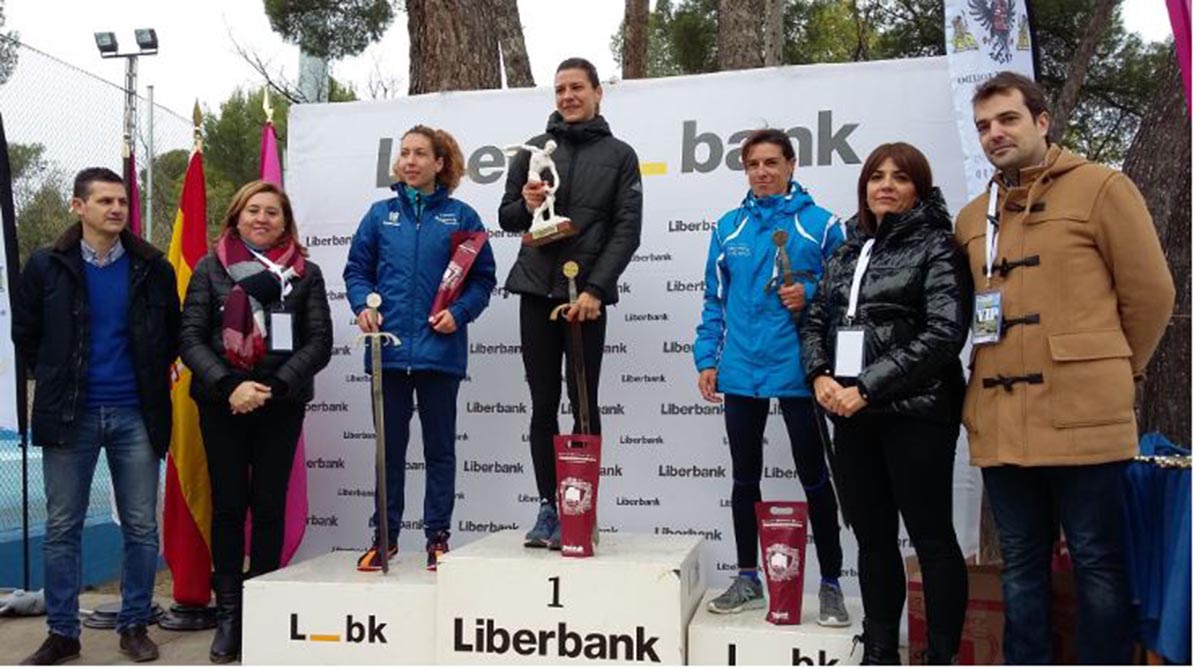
197,57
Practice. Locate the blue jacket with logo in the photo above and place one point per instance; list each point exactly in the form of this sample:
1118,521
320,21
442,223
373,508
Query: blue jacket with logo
401,255
745,332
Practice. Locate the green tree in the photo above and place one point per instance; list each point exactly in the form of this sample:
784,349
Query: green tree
29,168
1114,97
8,49
169,169
330,29
44,216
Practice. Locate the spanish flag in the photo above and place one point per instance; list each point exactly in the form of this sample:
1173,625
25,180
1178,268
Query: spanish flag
187,509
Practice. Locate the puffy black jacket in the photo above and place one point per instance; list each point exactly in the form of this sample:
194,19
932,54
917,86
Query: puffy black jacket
915,304
290,375
51,332
601,192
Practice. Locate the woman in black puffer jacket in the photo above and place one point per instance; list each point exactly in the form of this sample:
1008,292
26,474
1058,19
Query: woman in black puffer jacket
896,405
255,331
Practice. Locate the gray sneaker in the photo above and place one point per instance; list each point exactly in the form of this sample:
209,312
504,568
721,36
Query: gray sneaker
743,594
833,607
544,528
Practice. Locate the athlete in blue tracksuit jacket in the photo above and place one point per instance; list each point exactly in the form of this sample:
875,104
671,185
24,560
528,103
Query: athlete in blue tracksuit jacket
747,347
401,249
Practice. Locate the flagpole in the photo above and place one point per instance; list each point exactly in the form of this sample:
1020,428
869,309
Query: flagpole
149,222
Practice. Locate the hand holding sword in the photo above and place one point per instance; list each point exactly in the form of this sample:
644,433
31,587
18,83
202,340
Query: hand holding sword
790,292
376,339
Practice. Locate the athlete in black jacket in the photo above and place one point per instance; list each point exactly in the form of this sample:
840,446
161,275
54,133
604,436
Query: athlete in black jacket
601,192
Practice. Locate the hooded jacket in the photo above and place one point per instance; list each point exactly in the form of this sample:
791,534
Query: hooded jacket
915,306
745,332
402,256
1086,294
601,192
51,332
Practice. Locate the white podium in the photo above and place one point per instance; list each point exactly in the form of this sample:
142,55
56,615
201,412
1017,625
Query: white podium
501,603
324,611
747,638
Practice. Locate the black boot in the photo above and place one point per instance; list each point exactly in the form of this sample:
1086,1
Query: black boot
881,643
942,651
227,643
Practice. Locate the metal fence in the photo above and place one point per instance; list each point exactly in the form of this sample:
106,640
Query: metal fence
58,120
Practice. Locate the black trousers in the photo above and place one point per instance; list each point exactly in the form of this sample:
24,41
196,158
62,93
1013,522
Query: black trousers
888,464
544,346
262,442
745,422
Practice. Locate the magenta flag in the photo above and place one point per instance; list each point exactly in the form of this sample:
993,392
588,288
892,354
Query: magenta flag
296,512
1180,12
135,197
268,158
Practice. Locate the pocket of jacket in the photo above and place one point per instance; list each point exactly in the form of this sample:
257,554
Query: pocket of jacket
969,421
1091,378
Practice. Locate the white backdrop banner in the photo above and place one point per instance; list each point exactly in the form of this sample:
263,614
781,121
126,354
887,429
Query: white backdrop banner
982,39
666,463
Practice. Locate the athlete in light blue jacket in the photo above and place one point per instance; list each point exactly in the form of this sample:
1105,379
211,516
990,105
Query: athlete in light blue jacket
747,347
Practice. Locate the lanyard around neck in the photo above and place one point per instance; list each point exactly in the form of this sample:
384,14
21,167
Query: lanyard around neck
285,274
860,268
992,225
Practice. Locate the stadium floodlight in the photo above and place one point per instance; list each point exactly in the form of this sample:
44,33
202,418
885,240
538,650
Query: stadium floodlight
107,43
147,39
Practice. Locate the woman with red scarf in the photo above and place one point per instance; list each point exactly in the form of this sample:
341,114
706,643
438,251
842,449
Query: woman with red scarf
256,330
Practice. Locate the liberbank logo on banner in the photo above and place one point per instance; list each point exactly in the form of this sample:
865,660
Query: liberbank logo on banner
487,164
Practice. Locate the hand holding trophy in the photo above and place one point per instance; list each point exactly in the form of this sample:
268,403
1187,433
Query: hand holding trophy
547,225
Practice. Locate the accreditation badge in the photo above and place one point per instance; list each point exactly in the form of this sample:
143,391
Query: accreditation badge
985,328
849,352
280,335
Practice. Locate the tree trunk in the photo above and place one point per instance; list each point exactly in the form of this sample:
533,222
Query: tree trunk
739,36
773,33
1159,162
453,46
634,41
512,44
1068,96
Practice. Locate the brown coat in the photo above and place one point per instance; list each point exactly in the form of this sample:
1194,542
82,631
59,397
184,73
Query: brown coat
1096,279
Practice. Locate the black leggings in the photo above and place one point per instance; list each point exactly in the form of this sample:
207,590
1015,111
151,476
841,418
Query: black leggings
888,464
544,343
745,421
264,441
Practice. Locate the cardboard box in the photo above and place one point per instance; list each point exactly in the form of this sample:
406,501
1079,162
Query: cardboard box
983,626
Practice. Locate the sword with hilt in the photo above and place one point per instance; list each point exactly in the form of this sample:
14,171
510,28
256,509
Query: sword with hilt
376,341
787,277
571,270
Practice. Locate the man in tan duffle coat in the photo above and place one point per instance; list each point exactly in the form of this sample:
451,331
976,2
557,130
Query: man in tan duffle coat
1066,320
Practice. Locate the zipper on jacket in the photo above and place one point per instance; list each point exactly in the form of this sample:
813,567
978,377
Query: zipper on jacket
565,201
412,294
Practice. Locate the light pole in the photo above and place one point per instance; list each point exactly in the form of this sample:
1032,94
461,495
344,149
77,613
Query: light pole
147,41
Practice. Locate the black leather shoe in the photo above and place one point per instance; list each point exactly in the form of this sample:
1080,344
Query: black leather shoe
137,646
56,649
882,643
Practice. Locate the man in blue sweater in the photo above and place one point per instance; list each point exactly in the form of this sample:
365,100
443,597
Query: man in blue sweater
96,319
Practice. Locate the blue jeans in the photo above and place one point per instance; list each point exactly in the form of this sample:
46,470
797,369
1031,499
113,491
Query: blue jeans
1030,503
67,471
437,406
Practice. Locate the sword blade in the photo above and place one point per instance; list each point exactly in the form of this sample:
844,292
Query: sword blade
381,505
